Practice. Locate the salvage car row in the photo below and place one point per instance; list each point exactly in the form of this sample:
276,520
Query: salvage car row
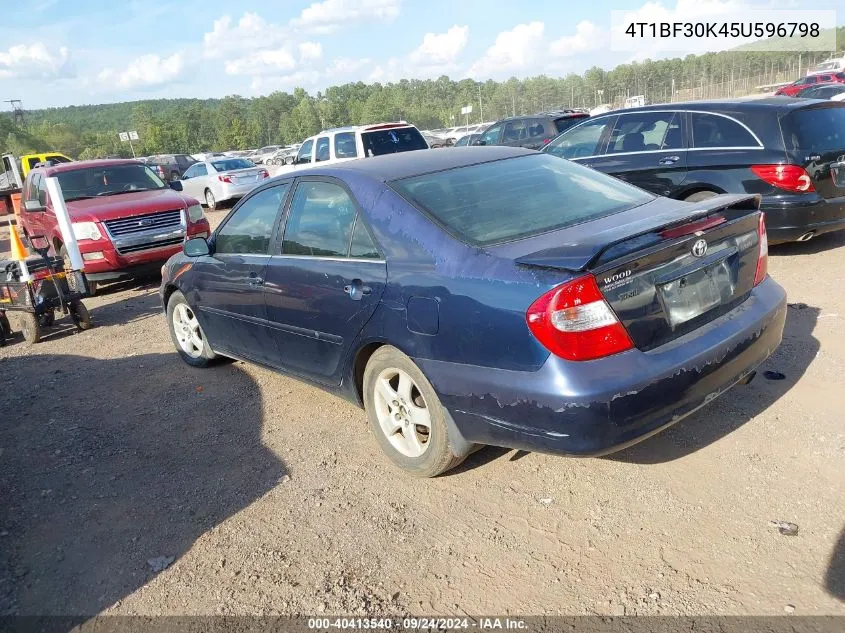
495,295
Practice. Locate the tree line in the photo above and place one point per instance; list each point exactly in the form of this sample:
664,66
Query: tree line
235,122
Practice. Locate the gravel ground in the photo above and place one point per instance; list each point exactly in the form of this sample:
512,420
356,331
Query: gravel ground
134,484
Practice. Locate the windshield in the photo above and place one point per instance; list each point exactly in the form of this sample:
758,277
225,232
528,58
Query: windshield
231,164
113,179
391,141
517,197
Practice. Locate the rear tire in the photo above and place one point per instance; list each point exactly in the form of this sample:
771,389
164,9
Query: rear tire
47,319
210,200
30,328
80,315
186,332
405,414
698,196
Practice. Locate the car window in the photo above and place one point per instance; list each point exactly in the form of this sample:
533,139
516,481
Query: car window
344,145
817,130
477,202
32,161
710,130
320,221
362,246
202,169
322,152
464,140
304,153
190,172
580,141
42,191
250,229
645,131
535,128
567,122
515,131
32,190
391,141
491,135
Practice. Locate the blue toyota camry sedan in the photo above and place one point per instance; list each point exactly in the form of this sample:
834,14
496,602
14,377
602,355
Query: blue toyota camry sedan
484,295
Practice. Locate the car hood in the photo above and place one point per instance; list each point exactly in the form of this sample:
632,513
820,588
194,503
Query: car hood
127,205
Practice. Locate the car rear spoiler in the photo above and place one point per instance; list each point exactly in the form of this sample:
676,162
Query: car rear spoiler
608,232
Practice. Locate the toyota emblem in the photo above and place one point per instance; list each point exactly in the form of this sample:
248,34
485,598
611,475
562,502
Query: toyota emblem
699,249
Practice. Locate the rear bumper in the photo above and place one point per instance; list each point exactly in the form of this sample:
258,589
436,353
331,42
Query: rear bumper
597,407
789,218
230,192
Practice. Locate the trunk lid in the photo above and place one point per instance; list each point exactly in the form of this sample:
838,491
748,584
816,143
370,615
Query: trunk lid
668,268
815,139
245,176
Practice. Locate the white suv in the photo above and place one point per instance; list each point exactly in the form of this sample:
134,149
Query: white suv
358,141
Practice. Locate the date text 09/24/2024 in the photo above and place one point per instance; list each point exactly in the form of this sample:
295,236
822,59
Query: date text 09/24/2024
416,624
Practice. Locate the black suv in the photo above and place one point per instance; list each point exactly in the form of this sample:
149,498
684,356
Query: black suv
170,166
532,132
790,151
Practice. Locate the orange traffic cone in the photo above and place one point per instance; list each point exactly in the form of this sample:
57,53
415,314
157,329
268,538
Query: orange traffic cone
19,253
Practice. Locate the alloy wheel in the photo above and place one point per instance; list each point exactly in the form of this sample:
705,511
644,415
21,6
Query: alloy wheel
402,413
187,330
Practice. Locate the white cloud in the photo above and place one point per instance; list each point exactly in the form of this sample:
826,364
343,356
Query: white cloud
441,48
147,71
267,62
331,15
518,50
348,65
34,61
309,51
588,37
252,32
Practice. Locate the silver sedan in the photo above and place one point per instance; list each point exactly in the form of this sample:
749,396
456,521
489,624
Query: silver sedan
219,179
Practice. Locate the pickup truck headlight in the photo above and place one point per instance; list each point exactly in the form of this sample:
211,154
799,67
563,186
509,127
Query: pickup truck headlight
86,231
195,213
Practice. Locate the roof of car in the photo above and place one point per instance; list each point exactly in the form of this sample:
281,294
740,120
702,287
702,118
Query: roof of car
562,114
83,164
745,103
407,164
374,126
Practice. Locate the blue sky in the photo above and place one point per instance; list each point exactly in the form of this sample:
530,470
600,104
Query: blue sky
65,52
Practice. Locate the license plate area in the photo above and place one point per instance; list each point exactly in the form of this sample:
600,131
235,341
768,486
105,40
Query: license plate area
692,294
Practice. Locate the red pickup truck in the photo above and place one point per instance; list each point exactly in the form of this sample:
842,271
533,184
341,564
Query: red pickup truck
126,219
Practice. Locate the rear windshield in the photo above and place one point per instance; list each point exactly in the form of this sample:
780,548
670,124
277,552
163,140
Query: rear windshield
404,139
568,122
816,129
517,197
232,164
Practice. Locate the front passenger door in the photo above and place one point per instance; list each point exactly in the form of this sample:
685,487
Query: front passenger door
229,283
326,283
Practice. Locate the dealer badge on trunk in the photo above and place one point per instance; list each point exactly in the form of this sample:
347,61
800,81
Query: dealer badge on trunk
699,249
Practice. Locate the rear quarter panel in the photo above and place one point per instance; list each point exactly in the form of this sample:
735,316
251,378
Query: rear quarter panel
478,301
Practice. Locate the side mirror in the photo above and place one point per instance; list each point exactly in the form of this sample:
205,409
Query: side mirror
34,206
176,185
196,247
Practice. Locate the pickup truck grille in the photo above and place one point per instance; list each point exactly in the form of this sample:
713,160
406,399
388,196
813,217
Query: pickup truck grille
146,232
142,223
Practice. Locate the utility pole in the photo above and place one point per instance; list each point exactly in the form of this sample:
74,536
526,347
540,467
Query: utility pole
480,105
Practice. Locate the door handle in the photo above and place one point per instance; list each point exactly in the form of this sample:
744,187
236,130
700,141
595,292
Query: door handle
668,160
357,289
254,282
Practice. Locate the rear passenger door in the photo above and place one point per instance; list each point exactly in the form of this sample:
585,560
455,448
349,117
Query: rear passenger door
647,149
325,281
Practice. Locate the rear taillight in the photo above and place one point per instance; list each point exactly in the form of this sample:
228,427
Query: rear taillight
787,177
763,252
226,179
264,173
574,321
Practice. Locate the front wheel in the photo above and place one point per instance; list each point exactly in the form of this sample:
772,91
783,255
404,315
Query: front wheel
405,414
30,327
210,200
186,332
